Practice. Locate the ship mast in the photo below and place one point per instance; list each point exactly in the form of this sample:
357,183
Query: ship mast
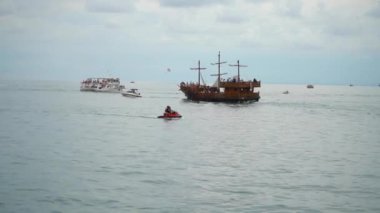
219,63
199,71
238,65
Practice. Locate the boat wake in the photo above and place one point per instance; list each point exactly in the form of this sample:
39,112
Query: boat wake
124,115
140,116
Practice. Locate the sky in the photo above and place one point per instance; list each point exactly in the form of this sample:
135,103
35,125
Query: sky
281,41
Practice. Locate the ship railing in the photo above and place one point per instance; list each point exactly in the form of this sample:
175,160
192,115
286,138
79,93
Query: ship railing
241,84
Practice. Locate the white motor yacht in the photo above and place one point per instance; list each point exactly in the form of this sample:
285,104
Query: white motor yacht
131,93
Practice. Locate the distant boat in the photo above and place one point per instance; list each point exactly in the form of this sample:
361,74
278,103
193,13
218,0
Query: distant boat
132,82
310,86
351,85
286,92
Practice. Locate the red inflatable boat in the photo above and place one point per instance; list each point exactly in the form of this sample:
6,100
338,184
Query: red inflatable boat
170,115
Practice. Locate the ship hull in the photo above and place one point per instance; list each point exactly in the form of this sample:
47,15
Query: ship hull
222,98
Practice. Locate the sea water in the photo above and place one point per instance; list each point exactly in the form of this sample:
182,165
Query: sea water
312,150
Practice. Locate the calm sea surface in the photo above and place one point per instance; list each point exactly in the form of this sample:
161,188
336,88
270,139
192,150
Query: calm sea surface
313,150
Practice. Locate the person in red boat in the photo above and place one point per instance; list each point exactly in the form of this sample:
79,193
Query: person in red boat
168,110
169,113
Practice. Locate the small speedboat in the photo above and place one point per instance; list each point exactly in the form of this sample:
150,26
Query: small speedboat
285,92
310,86
131,93
170,115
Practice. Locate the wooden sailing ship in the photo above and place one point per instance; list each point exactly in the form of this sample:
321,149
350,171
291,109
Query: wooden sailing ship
231,90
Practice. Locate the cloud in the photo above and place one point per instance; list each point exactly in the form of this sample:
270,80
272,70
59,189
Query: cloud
31,9
291,8
190,3
375,11
232,18
120,33
6,8
273,24
318,25
342,30
257,1
110,6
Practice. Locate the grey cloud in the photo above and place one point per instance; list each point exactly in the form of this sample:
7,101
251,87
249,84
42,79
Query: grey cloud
110,6
5,8
258,1
375,12
28,8
190,3
341,31
292,8
231,18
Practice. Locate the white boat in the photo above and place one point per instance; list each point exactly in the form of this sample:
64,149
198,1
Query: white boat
89,84
111,85
131,93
